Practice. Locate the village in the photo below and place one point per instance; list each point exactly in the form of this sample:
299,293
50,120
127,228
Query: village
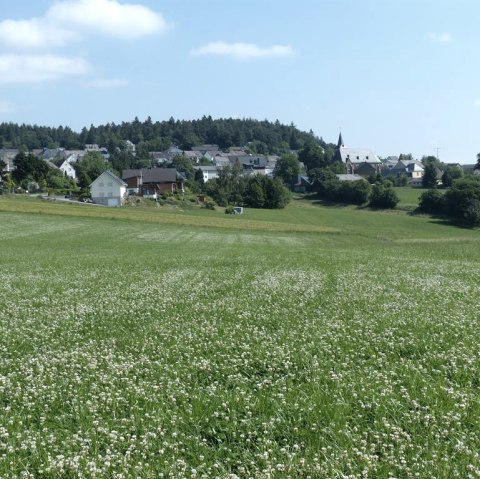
112,188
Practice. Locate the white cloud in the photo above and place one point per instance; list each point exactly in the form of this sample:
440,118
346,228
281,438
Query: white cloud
107,17
106,83
476,103
70,20
440,37
243,51
39,68
33,34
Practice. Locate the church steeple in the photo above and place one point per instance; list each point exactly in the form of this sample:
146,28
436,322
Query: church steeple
340,141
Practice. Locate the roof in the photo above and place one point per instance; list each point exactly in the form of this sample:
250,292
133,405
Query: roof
249,161
111,175
340,141
349,177
408,165
302,179
205,148
154,175
191,154
358,155
389,161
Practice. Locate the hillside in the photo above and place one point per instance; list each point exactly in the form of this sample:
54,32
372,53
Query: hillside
261,136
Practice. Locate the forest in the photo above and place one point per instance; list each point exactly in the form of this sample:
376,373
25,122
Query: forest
261,137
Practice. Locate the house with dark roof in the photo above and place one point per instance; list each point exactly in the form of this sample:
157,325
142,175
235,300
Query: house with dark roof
360,161
151,182
205,148
411,168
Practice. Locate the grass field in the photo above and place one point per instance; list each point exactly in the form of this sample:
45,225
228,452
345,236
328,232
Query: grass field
315,341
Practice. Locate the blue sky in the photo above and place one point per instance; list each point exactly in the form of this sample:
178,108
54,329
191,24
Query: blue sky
397,76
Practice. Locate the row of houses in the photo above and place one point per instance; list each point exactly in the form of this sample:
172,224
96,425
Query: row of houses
363,162
110,190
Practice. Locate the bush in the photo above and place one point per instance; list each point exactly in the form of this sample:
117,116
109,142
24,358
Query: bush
383,197
432,202
354,192
229,210
209,204
462,201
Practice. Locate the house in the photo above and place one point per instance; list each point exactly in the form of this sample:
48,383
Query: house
349,177
302,185
251,163
52,154
108,190
221,161
193,156
172,152
8,155
73,156
360,161
209,172
130,146
67,169
470,168
389,162
412,169
159,158
151,182
91,147
202,149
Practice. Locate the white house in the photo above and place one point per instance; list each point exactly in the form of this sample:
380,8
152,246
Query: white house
67,169
209,172
108,190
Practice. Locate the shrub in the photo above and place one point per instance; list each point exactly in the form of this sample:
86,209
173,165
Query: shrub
383,197
229,210
209,204
432,202
354,192
462,201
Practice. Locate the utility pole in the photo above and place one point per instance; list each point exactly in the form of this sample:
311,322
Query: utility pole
437,152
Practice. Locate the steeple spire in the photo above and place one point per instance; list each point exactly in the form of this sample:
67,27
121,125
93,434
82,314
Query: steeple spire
340,141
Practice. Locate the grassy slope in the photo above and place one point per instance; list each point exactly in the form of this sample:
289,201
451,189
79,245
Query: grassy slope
311,341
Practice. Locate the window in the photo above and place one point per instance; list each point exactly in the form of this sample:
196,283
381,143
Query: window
110,184
102,195
101,185
110,194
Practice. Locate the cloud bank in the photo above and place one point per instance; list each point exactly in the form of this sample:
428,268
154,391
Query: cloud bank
39,68
66,22
243,51
72,20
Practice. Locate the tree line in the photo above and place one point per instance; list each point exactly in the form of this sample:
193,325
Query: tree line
261,137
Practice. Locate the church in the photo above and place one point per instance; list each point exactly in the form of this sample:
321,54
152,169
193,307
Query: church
360,161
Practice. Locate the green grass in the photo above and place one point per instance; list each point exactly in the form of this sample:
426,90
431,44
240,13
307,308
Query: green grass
409,197
308,342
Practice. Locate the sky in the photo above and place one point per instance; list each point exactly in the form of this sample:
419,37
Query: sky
395,76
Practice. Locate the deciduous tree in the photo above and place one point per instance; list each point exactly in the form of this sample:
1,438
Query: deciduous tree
287,169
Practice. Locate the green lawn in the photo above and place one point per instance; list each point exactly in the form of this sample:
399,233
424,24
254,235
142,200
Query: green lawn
308,342
409,197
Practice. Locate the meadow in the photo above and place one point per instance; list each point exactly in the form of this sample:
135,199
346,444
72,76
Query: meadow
314,341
